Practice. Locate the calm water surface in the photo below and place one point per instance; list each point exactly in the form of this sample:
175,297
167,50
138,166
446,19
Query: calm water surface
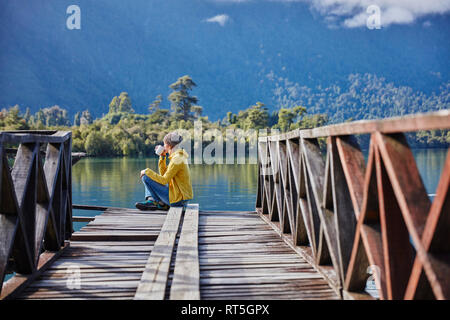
115,181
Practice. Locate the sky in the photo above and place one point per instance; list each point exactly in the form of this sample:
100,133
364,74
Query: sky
354,13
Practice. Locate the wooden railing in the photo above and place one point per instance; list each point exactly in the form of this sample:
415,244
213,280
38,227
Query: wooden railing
35,201
353,218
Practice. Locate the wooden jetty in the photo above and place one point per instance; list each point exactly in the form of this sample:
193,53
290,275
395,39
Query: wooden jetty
127,254
325,221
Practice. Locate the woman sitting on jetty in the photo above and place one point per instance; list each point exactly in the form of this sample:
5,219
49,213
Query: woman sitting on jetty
172,186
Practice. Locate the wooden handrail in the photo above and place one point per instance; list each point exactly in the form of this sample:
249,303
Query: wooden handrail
35,199
35,136
354,219
409,123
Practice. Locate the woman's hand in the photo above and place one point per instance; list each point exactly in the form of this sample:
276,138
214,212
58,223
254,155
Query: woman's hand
142,173
164,152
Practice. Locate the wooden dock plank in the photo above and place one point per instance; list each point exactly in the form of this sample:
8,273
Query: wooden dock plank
186,278
109,255
154,279
242,257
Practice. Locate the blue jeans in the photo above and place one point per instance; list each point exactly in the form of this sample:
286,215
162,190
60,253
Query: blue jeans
159,192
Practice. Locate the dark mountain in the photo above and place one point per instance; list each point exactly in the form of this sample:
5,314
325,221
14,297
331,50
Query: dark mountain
142,46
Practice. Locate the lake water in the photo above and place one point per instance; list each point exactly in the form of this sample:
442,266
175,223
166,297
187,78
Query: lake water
115,182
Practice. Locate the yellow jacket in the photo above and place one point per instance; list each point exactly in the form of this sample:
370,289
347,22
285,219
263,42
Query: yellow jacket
176,175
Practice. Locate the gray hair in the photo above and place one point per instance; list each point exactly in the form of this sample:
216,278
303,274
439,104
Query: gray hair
172,139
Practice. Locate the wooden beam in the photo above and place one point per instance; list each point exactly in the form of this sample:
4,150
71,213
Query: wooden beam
33,137
154,278
186,277
342,208
89,207
94,236
423,121
82,219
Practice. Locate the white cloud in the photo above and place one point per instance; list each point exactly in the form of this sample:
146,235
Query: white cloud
352,13
220,19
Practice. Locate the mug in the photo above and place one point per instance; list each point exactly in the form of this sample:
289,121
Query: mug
159,150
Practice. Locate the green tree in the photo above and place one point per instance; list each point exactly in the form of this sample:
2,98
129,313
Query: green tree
197,110
154,106
12,120
287,117
122,103
160,116
86,118
257,117
230,117
98,145
313,121
51,116
27,115
180,98
38,119
76,119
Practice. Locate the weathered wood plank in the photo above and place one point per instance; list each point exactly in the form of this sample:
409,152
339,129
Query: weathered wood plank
82,219
15,285
154,279
228,262
186,278
113,237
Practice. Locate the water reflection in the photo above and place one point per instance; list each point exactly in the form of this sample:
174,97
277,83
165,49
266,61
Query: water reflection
430,163
115,182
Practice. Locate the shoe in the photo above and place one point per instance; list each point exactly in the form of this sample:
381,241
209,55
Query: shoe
145,205
163,206
152,205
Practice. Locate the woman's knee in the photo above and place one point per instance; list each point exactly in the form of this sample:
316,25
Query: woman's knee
145,178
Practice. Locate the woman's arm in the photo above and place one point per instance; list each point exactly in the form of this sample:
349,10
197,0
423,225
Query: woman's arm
162,165
167,176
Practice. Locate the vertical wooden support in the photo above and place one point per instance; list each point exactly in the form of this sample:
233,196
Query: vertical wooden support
277,204
342,206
